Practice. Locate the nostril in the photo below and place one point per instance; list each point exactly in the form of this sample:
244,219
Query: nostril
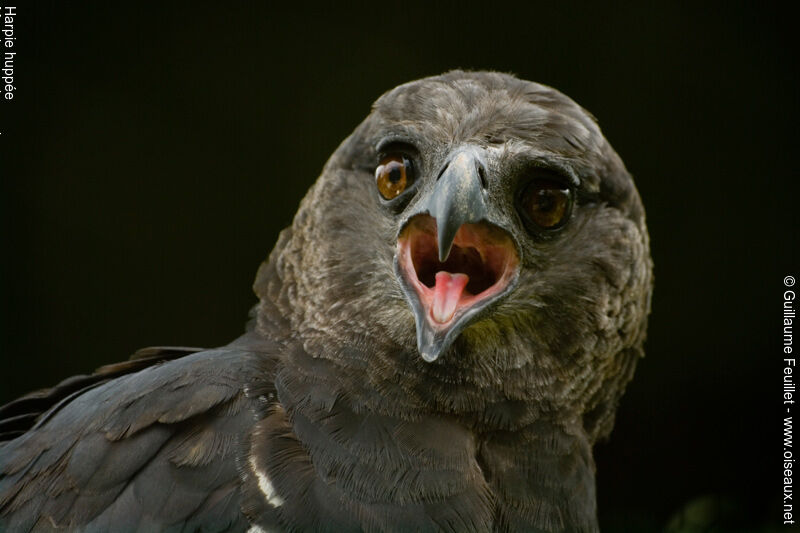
442,171
482,175
479,168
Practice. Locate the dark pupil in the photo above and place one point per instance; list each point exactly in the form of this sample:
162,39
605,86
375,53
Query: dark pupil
544,201
395,172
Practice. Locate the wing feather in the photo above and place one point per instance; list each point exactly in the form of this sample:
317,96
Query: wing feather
149,444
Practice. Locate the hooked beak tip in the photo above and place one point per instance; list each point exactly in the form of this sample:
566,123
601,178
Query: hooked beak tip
445,245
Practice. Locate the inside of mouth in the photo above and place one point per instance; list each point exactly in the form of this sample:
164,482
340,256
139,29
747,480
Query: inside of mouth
481,253
462,260
482,262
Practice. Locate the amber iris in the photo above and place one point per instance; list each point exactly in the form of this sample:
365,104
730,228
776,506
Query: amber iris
546,203
393,176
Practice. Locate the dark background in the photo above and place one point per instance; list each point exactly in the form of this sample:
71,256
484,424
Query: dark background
152,154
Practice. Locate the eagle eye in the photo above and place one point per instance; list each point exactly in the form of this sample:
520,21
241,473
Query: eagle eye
394,175
546,203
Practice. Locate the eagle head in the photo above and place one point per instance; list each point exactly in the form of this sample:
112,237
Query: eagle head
477,237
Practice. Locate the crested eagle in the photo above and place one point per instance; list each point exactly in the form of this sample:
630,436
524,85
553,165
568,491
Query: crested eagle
442,334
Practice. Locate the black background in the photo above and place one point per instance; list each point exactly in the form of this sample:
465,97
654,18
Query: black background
152,153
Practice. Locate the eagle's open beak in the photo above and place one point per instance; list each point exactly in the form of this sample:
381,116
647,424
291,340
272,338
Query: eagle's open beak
451,262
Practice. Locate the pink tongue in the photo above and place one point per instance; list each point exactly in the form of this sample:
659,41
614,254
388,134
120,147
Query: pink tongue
446,295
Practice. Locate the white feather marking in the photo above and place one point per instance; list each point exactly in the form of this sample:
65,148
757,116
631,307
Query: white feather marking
256,529
265,485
